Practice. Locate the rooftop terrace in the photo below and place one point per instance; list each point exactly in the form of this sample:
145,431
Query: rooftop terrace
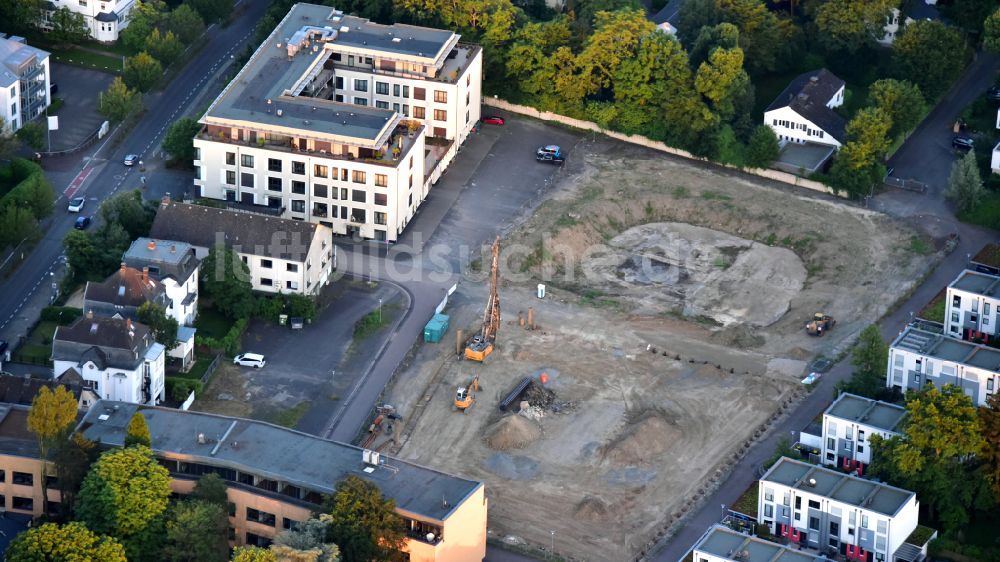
838,486
944,348
875,413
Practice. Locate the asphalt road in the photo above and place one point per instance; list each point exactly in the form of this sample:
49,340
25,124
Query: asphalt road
100,172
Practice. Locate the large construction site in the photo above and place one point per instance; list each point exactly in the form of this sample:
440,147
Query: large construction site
671,335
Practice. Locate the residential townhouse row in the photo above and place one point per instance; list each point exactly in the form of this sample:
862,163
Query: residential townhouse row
276,477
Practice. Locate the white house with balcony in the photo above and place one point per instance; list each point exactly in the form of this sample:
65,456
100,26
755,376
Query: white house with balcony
104,18
848,425
329,122
116,357
24,82
827,510
919,357
175,266
803,112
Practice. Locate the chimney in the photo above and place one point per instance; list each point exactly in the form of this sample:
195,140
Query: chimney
145,274
90,314
128,324
151,246
123,267
173,248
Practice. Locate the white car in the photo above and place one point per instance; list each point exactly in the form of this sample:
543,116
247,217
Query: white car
131,159
254,360
76,204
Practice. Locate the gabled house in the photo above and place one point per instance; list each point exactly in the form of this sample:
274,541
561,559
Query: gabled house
122,293
17,389
803,112
116,357
175,265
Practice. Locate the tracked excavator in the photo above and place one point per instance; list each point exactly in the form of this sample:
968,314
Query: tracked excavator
465,397
480,345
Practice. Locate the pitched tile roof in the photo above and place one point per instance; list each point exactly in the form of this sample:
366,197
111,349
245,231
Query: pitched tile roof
808,95
247,233
126,287
108,342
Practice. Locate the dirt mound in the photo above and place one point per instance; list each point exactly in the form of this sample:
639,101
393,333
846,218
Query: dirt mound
512,432
641,442
740,336
591,509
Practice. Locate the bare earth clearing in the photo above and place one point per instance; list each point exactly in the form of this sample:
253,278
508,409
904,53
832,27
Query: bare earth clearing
672,335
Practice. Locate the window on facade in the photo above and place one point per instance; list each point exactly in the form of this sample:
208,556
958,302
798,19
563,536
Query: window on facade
298,187
293,285
246,180
274,202
768,510
273,184
299,168
419,94
257,540
25,504
246,160
343,194
319,190
230,158
831,443
382,88
360,101
266,264
266,281
262,517
320,171
814,523
358,196
406,110
406,91
293,267
360,85
358,215
230,177
440,115
274,164
418,112
864,521
319,209
381,199
395,107
381,180
382,104
440,96
395,90
989,388
358,176
380,218
916,378
23,478
298,206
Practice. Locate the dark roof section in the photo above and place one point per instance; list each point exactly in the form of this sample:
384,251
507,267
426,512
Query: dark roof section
16,389
921,10
106,16
127,287
281,454
108,342
248,233
15,439
808,95
165,258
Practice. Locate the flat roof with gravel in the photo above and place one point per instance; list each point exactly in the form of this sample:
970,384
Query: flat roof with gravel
874,413
731,545
851,490
977,283
940,347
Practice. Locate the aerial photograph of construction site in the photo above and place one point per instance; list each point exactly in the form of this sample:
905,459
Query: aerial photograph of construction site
674,327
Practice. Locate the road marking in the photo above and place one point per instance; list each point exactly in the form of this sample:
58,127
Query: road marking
74,185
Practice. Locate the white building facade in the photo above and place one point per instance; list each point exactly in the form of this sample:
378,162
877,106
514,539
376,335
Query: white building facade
804,111
174,264
105,18
821,508
848,425
918,357
971,306
722,544
24,82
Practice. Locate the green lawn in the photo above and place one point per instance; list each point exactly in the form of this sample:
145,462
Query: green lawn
747,504
986,213
212,323
87,59
291,416
201,363
38,346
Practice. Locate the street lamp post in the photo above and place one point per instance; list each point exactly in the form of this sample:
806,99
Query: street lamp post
380,312
552,544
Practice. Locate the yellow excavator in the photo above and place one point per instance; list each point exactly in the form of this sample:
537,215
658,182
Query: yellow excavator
465,396
480,345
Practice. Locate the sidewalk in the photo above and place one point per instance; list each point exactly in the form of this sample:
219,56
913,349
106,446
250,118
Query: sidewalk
17,325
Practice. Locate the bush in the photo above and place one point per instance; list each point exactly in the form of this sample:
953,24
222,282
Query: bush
64,315
178,389
230,343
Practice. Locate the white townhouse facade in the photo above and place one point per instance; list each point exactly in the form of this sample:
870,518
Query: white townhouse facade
722,544
173,264
804,111
116,357
24,82
328,122
918,357
971,305
105,18
900,17
282,255
822,508
848,425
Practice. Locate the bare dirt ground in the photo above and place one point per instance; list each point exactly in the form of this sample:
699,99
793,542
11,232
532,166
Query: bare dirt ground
668,347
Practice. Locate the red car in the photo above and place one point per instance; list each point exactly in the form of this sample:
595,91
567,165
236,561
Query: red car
493,120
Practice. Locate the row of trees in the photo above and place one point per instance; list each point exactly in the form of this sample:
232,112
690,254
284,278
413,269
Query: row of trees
27,200
116,506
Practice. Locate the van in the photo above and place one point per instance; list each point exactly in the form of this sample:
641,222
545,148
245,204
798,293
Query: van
254,360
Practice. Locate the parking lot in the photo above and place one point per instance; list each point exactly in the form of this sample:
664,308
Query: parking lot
80,89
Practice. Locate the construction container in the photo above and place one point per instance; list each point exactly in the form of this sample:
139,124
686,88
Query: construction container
435,328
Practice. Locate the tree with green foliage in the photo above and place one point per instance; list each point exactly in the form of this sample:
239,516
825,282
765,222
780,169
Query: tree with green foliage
212,489
585,11
901,101
969,15
22,16
50,542
989,420
179,139
68,26
185,23
765,37
32,134
615,39
9,142
991,32
128,210
721,79
162,326
213,11
72,459
34,193
710,37
51,418
869,358
651,84
965,187
365,524
936,455
532,45
119,101
307,542
17,223
253,554
225,280
491,20
847,25
868,135
143,18
125,496
137,432
142,71
196,532
931,54
763,149
164,47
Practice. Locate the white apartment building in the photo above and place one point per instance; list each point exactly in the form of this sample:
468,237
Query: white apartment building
328,122
722,544
803,112
105,18
116,357
24,82
826,510
173,264
848,425
971,306
283,256
918,357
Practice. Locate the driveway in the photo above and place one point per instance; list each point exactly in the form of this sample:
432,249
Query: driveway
80,89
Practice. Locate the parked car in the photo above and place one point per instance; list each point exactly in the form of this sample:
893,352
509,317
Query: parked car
82,223
550,153
131,159
993,94
963,143
493,120
76,204
254,360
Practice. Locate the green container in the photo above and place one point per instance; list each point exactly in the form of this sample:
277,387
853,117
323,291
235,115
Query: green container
435,328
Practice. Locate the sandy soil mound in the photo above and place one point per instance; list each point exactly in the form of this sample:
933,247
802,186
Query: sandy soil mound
591,509
641,442
512,432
